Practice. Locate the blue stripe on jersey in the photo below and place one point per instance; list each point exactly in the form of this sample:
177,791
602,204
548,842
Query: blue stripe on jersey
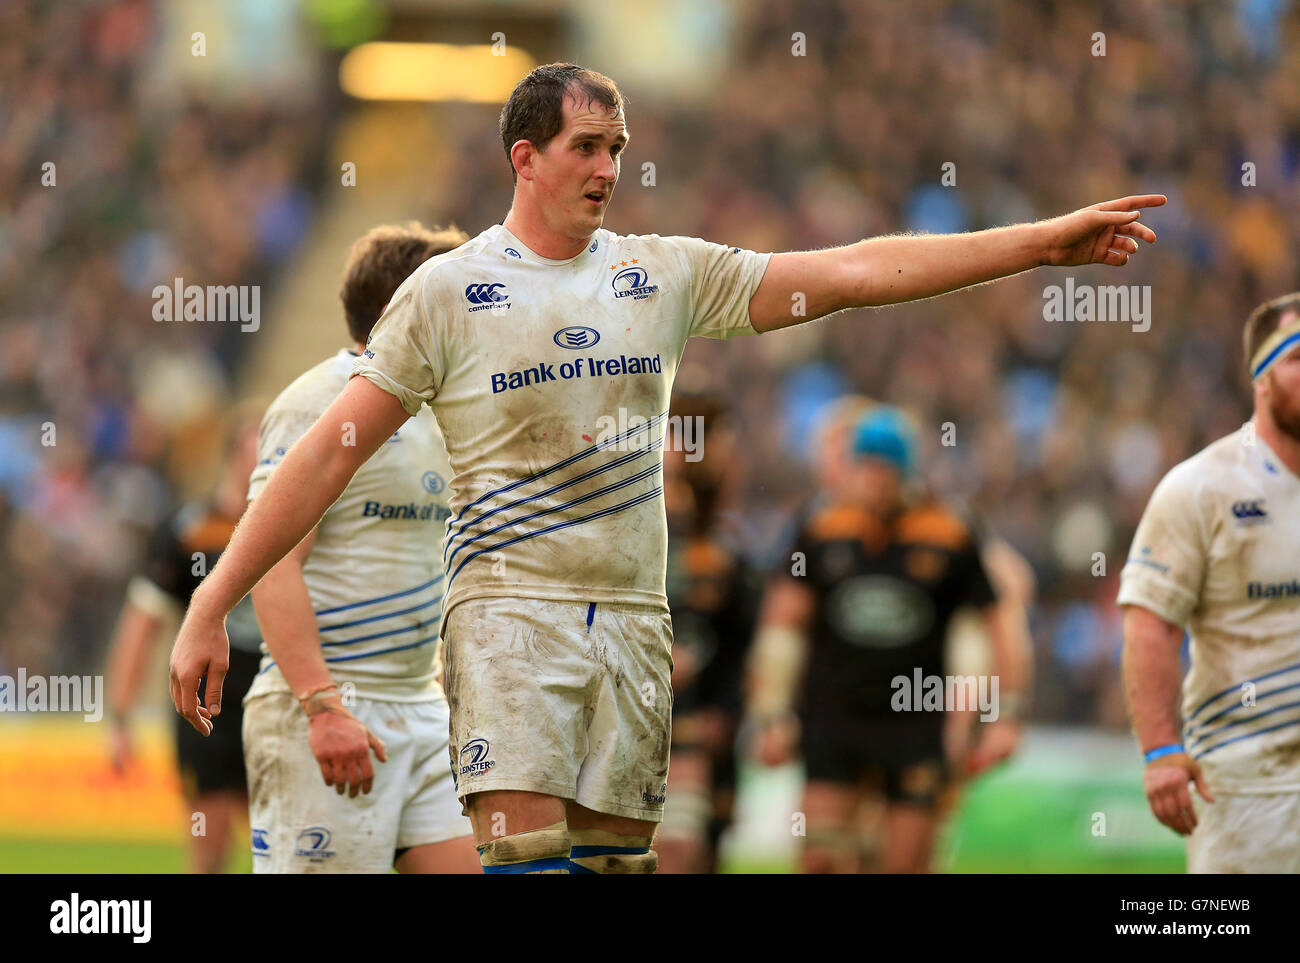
1234,688
399,648
379,618
382,598
366,655
617,462
612,487
556,527
601,446
384,635
531,866
1205,723
1253,717
1249,735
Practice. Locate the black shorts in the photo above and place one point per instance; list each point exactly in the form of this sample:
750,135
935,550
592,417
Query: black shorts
216,762
904,760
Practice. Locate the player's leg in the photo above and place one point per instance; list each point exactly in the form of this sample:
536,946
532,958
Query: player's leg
601,843
519,678
212,774
909,837
722,787
433,835
682,839
623,781
452,856
517,831
916,772
829,844
834,765
223,812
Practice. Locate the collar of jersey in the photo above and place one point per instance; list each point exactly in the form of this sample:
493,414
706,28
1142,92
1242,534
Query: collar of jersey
527,253
1270,456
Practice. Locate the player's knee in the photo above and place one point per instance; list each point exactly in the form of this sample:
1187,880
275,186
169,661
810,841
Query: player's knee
544,850
827,849
597,851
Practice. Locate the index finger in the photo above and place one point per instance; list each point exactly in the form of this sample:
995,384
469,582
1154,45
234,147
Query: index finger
1132,203
189,706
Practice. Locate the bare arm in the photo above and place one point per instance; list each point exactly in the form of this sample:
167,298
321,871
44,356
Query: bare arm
288,622
128,657
128,660
803,286
340,742
776,666
1152,678
1008,618
312,476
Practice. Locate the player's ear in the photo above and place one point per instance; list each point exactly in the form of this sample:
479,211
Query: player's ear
522,155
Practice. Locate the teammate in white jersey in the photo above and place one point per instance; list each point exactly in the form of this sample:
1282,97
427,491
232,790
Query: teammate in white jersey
1218,552
350,627
545,346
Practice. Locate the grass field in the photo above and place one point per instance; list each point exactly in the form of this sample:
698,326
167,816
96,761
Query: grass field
1070,803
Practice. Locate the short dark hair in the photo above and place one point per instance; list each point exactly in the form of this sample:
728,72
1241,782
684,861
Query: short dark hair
380,261
1263,321
535,110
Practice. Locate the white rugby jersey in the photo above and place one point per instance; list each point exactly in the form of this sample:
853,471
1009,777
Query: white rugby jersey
551,381
374,575
1218,550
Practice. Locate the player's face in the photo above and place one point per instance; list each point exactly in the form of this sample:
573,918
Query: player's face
874,483
575,175
1282,394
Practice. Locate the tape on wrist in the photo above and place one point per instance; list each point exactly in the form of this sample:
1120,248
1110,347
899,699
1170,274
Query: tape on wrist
1160,752
778,657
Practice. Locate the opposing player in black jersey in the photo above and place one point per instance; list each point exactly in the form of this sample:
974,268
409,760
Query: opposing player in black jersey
714,594
876,577
181,552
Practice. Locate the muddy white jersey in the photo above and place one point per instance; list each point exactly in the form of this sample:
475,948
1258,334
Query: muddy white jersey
374,574
550,380
1218,551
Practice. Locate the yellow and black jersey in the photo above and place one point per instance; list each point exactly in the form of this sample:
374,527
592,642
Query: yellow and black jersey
885,591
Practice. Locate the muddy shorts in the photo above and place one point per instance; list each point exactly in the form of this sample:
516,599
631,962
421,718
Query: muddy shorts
571,699
1245,833
301,825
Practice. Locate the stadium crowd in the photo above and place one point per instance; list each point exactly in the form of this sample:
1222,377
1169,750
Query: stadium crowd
1052,434
107,416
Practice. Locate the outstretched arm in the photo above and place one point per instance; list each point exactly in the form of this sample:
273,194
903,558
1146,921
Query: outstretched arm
312,476
803,286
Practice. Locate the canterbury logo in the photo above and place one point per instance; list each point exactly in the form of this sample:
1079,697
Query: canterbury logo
485,293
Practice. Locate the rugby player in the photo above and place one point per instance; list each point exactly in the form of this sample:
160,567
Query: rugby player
525,341
877,575
350,623
185,546
1217,555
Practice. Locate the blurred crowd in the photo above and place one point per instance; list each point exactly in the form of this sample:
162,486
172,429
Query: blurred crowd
1050,435
108,416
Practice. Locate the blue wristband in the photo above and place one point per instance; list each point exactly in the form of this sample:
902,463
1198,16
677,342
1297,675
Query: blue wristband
1162,751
